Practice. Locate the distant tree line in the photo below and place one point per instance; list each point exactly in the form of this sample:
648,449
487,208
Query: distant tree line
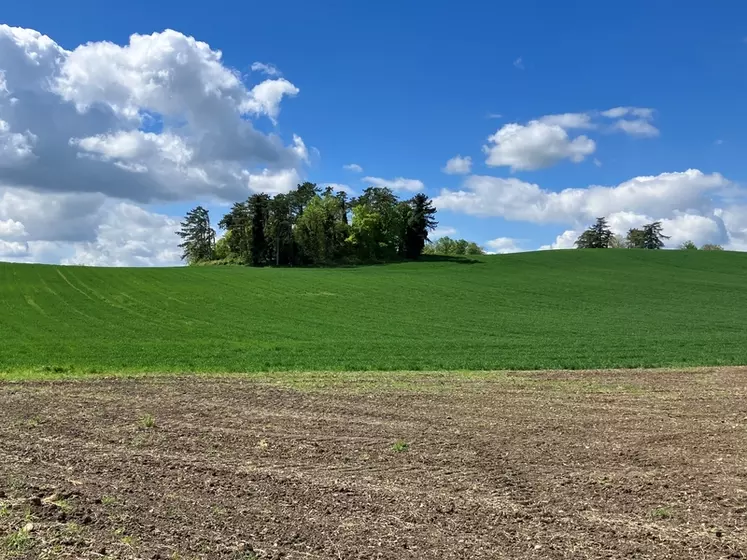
649,236
448,246
311,226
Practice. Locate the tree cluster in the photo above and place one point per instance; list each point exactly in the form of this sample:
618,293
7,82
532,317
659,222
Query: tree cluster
448,246
690,246
311,226
599,236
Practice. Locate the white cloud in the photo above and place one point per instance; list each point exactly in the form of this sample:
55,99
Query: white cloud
340,187
265,98
354,167
534,146
442,231
397,184
566,240
83,228
619,112
458,165
15,147
268,69
569,120
519,63
637,127
493,116
11,229
86,132
13,249
503,245
597,162
660,196
272,182
681,227
130,236
159,119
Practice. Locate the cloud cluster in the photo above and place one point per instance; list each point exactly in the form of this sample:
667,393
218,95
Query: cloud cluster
83,228
690,204
546,141
160,118
534,146
85,133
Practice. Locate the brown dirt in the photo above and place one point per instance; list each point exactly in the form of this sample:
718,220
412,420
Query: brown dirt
637,464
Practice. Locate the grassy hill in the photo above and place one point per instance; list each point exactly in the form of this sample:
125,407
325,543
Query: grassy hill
555,309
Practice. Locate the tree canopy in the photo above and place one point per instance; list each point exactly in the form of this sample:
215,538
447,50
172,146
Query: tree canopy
598,236
197,235
311,226
448,246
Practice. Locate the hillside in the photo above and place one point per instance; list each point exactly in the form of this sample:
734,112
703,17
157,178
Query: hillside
555,309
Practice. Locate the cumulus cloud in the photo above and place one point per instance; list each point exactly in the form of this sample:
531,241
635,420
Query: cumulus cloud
638,127
268,69
130,236
158,119
442,231
458,165
354,167
88,134
11,229
569,120
83,228
681,227
691,205
503,245
513,199
397,184
619,112
519,63
272,182
265,98
534,146
637,123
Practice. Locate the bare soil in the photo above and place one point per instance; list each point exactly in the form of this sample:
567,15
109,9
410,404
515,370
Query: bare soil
624,464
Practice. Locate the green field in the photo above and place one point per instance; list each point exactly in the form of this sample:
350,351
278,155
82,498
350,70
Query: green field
554,309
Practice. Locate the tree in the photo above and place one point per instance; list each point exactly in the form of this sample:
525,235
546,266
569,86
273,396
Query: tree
653,238
635,239
377,226
474,249
688,246
238,223
320,231
597,236
280,229
198,237
419,221
257,205
222,247
712,247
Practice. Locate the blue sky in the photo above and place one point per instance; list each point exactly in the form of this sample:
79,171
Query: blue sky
399,88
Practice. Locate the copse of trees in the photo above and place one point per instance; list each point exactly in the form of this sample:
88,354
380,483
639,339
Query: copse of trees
448,246
600,236
690,246
311,226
